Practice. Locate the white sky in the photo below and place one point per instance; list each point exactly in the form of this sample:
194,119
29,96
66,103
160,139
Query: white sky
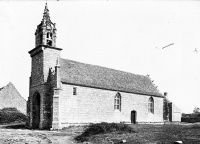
123,35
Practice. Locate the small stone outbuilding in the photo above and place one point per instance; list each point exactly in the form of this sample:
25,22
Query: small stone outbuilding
171,113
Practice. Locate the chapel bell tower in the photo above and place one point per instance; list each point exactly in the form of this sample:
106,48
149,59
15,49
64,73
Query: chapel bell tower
45,33
45,77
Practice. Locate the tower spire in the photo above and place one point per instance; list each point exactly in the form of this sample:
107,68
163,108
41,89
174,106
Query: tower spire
46,31
46,17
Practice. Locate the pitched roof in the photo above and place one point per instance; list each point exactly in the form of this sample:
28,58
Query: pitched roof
10,97
77,73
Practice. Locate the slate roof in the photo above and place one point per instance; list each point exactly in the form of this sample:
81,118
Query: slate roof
77,73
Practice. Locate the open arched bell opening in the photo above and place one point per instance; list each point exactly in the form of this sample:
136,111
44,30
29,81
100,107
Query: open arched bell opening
36,110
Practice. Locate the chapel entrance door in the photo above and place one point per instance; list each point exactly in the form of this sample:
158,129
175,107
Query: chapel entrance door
133,117
36,110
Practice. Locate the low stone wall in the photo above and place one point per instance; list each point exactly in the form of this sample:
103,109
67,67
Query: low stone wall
190,120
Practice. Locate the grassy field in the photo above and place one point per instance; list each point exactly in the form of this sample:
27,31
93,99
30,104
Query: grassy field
166,134
140,134
152,134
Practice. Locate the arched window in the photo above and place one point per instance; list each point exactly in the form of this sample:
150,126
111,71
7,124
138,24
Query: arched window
151,105
117,104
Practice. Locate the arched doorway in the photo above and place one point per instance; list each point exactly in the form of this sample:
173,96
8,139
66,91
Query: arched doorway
36,110
133,117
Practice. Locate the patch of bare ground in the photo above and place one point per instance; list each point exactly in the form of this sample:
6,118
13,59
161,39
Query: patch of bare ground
16,134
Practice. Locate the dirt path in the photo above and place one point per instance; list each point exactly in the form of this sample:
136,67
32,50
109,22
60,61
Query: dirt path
25,136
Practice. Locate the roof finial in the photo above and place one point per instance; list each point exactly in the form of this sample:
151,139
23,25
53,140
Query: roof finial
46,5
46,17
46,8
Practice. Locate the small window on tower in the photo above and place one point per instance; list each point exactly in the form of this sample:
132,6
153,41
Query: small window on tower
41,38
49,42
47,35
74,91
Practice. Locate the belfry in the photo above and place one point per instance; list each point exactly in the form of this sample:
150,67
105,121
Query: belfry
45,33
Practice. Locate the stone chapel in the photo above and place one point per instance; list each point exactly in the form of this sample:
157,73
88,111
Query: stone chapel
64,92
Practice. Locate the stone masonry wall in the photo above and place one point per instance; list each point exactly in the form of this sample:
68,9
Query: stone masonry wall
41,63
42,81
50,59
45,105
97,105
176,113
37,70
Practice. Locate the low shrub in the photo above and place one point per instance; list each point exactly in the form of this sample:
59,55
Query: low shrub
11,115
102,128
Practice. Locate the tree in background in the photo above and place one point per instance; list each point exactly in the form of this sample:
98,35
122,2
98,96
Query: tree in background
196,110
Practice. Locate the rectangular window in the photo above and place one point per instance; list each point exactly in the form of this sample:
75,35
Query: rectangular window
41,38
74,91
